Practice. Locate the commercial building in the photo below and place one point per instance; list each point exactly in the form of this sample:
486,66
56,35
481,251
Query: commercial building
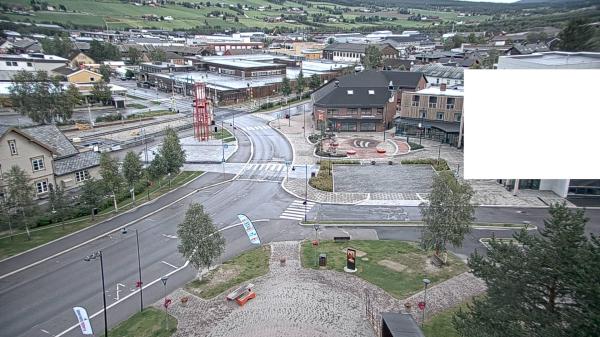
364,101
437,73
551,60
433,113
355,52
10,64
48,158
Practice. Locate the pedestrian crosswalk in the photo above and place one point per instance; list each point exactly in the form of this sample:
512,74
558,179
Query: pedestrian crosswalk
264,171
255,128
296,210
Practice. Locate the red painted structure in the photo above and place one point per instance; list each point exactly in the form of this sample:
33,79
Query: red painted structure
202,115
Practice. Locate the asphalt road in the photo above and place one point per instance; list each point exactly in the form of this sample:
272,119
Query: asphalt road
38,300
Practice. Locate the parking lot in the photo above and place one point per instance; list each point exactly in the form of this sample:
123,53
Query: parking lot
383,178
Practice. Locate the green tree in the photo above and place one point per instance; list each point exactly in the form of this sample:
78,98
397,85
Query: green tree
200,242
542,285
158,55
20,194
105,71
157,168
373,58
132,168
112,179
300,83
134,55
129,74
172,152
92,194
103,51
42,97
454,42
59,203
286,87
315,82
57,46
101,92
492,58
448,215
576,36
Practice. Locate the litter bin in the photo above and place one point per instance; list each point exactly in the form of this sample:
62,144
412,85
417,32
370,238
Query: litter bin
322,260
313,174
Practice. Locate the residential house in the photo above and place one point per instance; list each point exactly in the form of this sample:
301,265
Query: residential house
355,52
47,156
433,113
78,58
364,101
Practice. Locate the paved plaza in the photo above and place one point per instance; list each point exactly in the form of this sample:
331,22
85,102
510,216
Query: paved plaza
293,301
383,178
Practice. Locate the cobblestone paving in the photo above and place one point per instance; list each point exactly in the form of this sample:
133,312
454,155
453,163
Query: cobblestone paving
298,186
294,301
394,179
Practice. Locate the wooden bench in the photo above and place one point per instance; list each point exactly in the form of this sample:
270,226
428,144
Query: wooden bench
341,238
239,291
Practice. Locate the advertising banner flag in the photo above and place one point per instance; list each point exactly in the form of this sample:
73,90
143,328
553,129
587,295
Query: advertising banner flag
84,321
351,259
250,230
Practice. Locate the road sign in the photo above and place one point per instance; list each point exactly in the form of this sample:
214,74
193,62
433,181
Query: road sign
421,305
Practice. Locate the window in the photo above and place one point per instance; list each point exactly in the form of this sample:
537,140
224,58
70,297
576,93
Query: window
437,81
440,115
37,164
450,103
433,102
12,144
82,175
423,114
366,111
371,92
457,117
331,111
415,100
8,63
350,92
352,111
29,64
92,79
41,186
367,126
380,111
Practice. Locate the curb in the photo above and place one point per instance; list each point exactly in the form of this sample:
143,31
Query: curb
413,224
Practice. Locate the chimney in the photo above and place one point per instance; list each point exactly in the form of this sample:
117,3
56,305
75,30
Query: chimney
443,87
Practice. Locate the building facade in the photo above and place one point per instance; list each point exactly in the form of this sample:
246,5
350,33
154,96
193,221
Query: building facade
355,52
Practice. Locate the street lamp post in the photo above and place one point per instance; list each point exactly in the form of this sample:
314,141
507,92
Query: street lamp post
304,118
93,257
305,189
172,92
146,162
139,283
425,283
164,281
421,126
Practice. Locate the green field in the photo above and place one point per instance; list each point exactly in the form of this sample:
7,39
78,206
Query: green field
114,14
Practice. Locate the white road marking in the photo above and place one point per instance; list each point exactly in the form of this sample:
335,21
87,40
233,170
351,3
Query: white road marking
170,236
170,265
291,217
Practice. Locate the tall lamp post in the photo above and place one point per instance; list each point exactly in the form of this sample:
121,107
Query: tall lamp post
164,281
139,283
421,126
425,283
88,258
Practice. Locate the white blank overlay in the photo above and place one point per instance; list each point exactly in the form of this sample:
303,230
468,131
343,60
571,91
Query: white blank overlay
532,124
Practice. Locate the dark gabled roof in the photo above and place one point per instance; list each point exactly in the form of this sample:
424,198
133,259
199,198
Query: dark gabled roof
360,84
64,70
398,63
83,46
530,48
77,162
53,138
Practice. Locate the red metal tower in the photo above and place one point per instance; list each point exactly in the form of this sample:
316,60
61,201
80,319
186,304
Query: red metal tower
202,115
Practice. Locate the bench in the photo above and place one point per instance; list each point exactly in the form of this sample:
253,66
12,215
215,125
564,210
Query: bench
239,291
341,238
241,300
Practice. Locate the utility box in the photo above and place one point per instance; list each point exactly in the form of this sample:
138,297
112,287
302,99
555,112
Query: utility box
323,260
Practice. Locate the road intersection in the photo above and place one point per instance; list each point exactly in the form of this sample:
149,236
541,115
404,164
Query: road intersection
40,287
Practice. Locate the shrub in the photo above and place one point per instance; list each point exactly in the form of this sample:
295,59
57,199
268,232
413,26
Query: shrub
109,118
332,155
314,138
324,179
414,146
442,165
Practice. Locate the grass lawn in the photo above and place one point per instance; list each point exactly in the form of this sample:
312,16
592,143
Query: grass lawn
136,106
147,114
41,235
398,267
149,323
244,267
224,134
440,325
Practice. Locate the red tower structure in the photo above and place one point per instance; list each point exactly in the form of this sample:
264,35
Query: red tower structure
202,115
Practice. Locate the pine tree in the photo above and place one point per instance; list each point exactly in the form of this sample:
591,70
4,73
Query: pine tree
200,242
544,285
372,59
20,193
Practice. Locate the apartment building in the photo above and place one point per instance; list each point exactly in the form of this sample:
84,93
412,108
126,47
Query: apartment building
355,52
433,113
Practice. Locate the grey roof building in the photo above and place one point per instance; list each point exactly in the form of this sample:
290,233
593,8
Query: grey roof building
437,73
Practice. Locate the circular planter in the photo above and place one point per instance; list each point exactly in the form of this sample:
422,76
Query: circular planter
380,150
351,152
